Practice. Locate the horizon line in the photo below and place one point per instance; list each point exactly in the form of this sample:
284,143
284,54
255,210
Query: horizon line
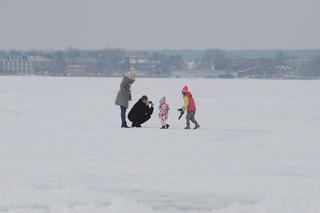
161,49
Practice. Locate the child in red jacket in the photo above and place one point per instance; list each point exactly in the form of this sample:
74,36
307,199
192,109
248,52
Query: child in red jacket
190,107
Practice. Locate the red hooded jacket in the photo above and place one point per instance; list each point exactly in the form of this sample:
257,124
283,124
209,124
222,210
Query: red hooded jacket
189,103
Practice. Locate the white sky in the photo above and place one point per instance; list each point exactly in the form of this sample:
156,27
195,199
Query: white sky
161,24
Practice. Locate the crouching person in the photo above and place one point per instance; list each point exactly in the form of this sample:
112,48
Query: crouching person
141,112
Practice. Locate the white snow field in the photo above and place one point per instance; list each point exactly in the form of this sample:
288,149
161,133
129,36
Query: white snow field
62,151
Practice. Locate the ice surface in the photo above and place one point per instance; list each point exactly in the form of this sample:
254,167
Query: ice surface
62,151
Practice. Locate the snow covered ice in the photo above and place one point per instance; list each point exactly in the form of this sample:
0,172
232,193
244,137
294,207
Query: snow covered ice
62,149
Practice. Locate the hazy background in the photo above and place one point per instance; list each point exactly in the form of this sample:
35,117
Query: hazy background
147,24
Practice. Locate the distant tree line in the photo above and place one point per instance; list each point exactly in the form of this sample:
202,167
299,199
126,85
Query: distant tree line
110,62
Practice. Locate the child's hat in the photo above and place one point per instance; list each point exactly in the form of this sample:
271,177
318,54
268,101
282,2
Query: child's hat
185,89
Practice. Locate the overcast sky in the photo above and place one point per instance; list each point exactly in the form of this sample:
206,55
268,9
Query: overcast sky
161,24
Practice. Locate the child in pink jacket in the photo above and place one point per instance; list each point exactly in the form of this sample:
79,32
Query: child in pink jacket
164,113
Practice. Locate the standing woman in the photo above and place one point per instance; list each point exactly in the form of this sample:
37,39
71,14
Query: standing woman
124,94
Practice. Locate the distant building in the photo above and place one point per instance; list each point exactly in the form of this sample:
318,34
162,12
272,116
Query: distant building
243,64
24,65
190,65
16,65
201,74
75,70
284,68
41,65
138,60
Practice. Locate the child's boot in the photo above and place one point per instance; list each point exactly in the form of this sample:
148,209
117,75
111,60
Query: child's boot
167,126
187,127
163,127
197,126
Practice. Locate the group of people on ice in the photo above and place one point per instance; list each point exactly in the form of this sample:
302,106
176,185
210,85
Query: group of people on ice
141,111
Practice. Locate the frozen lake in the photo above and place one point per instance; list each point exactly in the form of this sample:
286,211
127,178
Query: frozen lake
62,151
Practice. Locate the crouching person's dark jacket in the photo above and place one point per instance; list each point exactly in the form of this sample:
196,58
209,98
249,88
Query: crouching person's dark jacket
140,113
